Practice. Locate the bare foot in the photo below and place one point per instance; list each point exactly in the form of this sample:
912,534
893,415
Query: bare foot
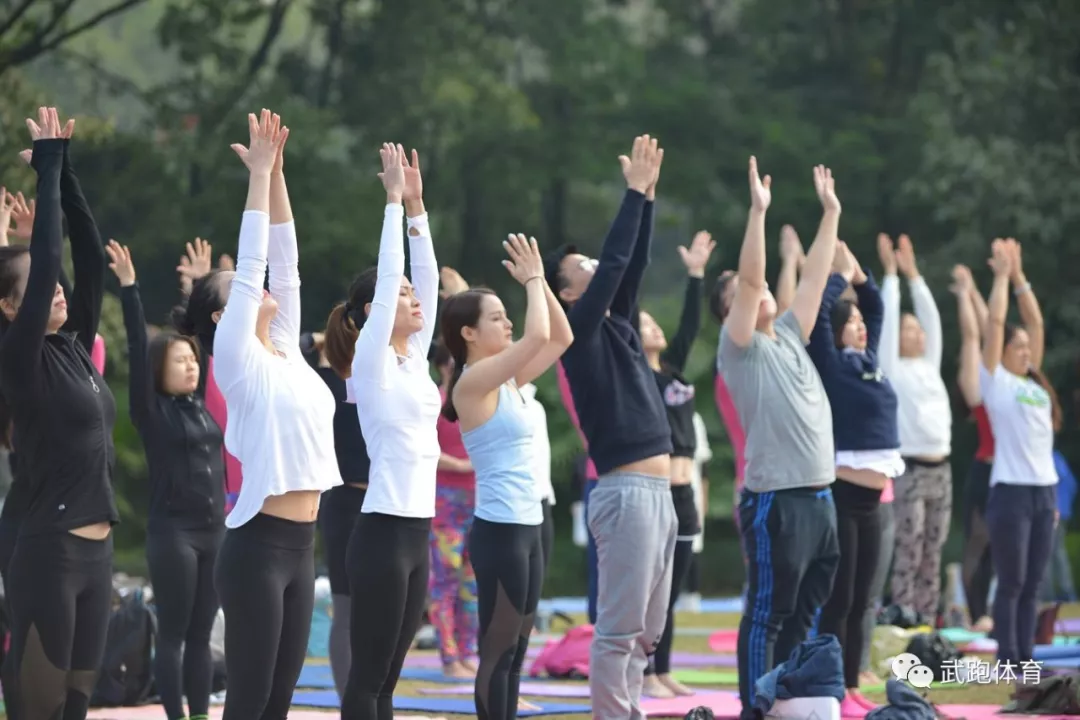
525,705
866,677
985,624
470,665
654,688
455,669
675,686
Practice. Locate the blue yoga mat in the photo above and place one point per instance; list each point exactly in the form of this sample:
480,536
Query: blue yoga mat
1070,663
428,675
464,706
580,605
1056,652
317,677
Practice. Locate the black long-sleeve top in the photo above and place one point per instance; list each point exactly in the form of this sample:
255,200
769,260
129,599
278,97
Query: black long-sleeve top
621,413
63,411
182,441
352,456
677,393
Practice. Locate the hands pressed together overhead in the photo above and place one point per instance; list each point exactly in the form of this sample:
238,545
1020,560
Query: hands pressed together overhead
525,261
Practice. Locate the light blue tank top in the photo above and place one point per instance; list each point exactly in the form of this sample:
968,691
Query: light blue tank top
501,454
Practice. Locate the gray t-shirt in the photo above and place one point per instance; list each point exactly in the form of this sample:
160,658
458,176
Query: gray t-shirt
783,408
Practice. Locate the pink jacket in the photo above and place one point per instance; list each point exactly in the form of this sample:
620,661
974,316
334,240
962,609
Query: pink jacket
568,403
215,405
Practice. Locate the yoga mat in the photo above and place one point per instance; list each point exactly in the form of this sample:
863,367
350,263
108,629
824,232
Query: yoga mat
317,677
724,641
428,675
1072,663
982,712
707,677
725,705
1068,626
579,605
533,689
464,706
961,636
156,712
701,660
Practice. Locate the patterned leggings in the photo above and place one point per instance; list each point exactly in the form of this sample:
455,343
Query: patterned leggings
453,585
923,508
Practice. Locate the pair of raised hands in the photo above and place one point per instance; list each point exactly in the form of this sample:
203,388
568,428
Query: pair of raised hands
641,167
761,188
525,263
899,257
46,127
16,215
193,265
1006,259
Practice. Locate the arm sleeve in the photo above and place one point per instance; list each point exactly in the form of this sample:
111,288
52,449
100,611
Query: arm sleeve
821,348
236,349
678,350
138,360
889,347
589,311
283,259
626,297
873,311
425,277
926,310
88,259
24,339
370,352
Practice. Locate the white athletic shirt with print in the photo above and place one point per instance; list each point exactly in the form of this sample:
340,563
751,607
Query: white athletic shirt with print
397,401
281,413
1021,417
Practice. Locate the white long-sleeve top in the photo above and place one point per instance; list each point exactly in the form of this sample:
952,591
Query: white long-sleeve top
396,399
281,413
541,444
924,414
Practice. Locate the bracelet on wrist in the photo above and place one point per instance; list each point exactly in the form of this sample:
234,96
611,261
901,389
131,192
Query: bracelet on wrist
1020,290
534,277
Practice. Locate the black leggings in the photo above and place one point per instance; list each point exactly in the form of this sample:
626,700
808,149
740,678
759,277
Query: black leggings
181,564
508,562
978,569
9,532
265,578
388,562
338,512
858,530
61,598
689,526
547,535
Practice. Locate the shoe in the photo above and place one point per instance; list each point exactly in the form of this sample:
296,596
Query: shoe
862,699
850,708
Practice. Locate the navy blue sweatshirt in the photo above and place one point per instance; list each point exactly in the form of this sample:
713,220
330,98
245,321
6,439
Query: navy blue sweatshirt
862,398
182,442
619,406
63,411
676,391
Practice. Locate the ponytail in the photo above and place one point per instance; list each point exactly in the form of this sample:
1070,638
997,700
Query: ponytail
449,411
340,340
1055,406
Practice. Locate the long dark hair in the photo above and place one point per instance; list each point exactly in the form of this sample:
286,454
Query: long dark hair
10,275
1040,379
195,317
460,311
841,313
158,352
345,321
717,306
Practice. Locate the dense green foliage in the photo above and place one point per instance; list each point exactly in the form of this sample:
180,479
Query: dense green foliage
954,122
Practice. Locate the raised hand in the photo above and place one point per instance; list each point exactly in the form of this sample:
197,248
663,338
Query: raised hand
197,260
887,253
120,263
1001,261
697,257
23,215
642,168
267,139
858,276
47,126
650,193
7,205
525,262
791,249
225,262
414,182
844,262
826,188
279,159
962,280
760,189
905,257
452,282
393,172
1016,258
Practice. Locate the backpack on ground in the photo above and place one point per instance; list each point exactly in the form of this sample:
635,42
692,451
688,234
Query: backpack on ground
127,674
566,657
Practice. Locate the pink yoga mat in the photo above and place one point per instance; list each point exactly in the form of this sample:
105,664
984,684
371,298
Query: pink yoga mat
156,712
724,641
1068,626
724,704
537,689
678,659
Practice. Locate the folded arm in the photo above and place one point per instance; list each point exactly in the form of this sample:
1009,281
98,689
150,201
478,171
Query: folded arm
591,308
22,343
370,351
678,351
559,339
821,347
425,277
967,375
138,360
889,346
625,302
236,347
926,310
88,259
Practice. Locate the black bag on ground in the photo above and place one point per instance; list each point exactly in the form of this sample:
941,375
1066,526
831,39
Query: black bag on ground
127,674
935,652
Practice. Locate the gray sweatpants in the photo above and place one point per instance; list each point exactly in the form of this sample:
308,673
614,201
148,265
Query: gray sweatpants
632,518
